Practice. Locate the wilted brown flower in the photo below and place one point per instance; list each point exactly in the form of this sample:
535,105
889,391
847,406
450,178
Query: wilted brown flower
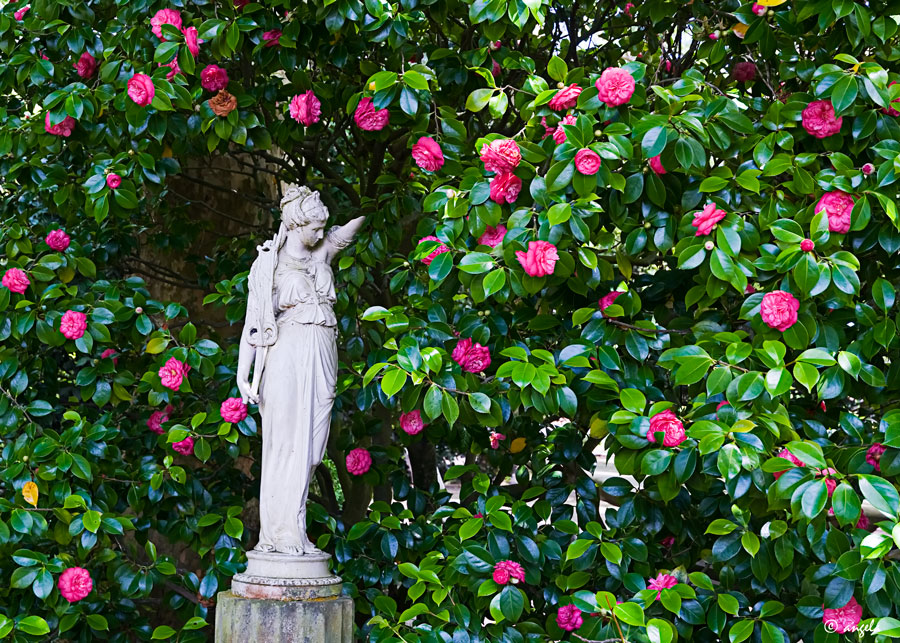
223,103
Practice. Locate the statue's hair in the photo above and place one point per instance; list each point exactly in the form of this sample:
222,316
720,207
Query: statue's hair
293,212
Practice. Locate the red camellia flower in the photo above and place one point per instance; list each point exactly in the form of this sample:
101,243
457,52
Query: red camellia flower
667,422
16,280
661,582
615,86
434,253
86,66
508,571
843,619
819,119
75,584
427,154
60,129
744,71
587,162
492,236
505,188
873,455
184,447
807,245
157,418
165,17
73,324
233,410
141,89
57,240
113,180
214,78
838,205
359,461
271,37
608,299
656,165
568,618
787,455
172,373
540,259
779,310
559,134
706,220
565,98
412,422
471,356
306,108
20,14
368,118
191,40
501,155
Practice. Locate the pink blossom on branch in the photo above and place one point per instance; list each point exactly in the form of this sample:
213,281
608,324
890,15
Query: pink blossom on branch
569,618
141,89
779,310
661,582
63,128
587,162
656,165
608,299
758,9
615,86
113,180
838,206
271,38
16,280
20,14
819,119
157,418
233,410
873,455
434,253
501,155
843,619
492,236
306,108
368,118
184,447
75,584
744,71
427,154
559,134
58,240
508,571
471,356
495,439
172,373
173,68
807,245
412,422
565,98
86,66
73,324
359,461
505,188
540,258
667,423
165,17
191,40
706,220
787,455
213,78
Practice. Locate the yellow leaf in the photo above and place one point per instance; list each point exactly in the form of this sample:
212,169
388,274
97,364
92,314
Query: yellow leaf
740,29
598,428
30,493
66,274
167,152
770,3
517,445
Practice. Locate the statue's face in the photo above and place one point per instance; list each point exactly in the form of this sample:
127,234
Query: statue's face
311,233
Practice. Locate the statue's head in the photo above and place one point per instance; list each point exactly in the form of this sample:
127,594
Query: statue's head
304,213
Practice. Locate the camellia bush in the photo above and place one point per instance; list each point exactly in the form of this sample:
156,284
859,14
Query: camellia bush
661,230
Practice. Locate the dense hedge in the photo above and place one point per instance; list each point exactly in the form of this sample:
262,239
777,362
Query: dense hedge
666,228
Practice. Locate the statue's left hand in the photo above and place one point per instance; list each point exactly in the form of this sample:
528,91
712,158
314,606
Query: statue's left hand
247,396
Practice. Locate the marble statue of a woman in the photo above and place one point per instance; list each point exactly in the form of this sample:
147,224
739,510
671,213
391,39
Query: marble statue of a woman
290,340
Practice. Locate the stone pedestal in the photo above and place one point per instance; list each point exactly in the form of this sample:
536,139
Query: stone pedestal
284,599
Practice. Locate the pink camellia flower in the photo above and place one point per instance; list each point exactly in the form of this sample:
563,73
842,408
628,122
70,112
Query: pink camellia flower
548,131
720,405
471,356
240,4
478,515
141,89
749,290
495,439
173,68
20,14
427,154
540,259
587,162
667,542
172,373
568,618
60,129
368,118
661,582
714,35
830,483
873,455
656,165
505,188
434,253
628,7
86,66
508,571
495,45
359,461
868,169
807,245
271,37
233,410
863,522
890,111
57,240
214,78
75,583
73,324
843,619
706,220
16,280
779,310
113,180
191,40
758,9
495,69
565,98
837,205
492,236
109,352
615,86
412,422
185,447
819,119
608,299
667,422
165,17
559,134
157,418
501,155
744,71
306,108
787,455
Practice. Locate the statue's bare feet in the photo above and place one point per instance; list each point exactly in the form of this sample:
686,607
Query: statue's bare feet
293,550
265,547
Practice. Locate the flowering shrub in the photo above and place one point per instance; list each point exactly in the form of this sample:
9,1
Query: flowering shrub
666,229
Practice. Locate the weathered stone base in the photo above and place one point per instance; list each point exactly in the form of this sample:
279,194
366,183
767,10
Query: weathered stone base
320,617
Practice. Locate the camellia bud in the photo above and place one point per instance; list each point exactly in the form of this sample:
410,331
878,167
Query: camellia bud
496,45
771,12
807,245
598,132
646,225
709,245
451,194
24,458
868,168
560,85
138,310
